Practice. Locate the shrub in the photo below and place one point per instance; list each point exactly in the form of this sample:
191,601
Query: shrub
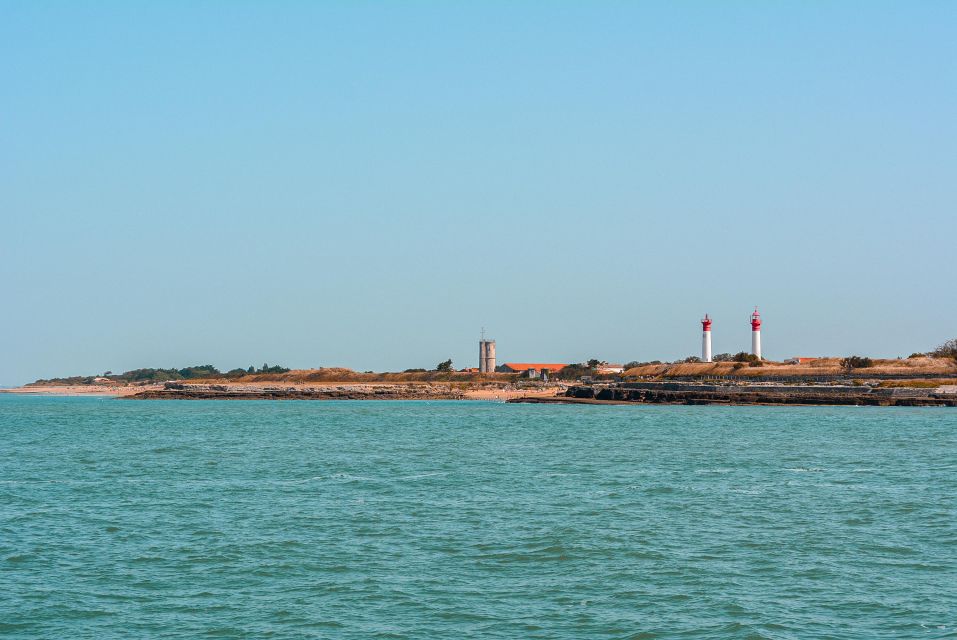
946,350
856,362
691,359
755,363
573,372
723,357
742,356
274,369
635,363
444,366
199,371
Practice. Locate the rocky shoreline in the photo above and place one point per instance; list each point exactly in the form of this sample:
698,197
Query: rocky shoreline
696,394
180,391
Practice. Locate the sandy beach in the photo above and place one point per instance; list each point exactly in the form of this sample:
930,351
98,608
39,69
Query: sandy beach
81,390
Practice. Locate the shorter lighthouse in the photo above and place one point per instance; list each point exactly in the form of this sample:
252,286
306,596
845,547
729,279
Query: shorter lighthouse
756,333
706,339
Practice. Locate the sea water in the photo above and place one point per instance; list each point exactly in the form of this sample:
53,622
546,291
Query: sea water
259,519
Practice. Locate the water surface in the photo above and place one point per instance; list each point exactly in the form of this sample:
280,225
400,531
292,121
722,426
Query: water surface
187,519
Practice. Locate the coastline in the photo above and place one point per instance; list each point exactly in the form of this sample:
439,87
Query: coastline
78,390
767,394
307,391
603,393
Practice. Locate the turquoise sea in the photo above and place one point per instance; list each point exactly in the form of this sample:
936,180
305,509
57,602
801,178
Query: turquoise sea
192,519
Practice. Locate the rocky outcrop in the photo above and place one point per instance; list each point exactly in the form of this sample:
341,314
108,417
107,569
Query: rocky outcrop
678,393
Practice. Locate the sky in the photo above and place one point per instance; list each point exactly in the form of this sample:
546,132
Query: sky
369,184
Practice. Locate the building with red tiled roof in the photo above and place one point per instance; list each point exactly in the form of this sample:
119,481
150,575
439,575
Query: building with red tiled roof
522,367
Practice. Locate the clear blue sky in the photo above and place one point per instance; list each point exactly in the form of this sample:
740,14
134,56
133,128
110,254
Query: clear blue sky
368,184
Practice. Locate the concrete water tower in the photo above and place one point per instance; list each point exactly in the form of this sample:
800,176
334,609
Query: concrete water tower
486,355
756,333
706,339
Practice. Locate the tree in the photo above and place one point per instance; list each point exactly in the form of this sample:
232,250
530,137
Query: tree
743,356
691,359
199,371
946,350
273,369
444,366
251,369
593,363
723,357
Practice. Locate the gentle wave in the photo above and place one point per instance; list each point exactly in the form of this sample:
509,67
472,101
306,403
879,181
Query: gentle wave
486,520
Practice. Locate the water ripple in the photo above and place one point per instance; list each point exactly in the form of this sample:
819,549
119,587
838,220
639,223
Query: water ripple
444,519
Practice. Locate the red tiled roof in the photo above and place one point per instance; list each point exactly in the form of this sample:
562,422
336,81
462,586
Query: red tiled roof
538,366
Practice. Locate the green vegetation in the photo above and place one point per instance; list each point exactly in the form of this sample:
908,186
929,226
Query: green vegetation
574,372
633,364
743,356
723,357
856,362
152,375
444,366
202,371
267,369
583,369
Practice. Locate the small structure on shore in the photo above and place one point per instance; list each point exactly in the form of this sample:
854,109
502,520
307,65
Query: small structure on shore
610,368
486,355
532,369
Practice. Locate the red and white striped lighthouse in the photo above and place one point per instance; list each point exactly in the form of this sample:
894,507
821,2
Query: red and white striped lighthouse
756,333
706,339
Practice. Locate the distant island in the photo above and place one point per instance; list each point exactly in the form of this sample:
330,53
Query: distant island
741,378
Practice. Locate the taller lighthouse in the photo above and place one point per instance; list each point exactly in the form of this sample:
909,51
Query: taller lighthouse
756,333
706,339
